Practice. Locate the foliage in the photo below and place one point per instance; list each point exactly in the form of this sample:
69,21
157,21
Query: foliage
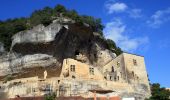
8,78
50,97
60,9
159,93
9,28
45,16
112,46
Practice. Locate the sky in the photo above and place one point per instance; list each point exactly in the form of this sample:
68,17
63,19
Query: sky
137,26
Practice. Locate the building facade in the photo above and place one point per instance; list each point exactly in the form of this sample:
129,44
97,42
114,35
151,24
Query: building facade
125,76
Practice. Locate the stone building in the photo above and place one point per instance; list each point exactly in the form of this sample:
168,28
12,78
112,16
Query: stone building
129,68
77,70
124,75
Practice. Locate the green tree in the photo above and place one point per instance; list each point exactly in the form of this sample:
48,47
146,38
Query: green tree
159,93
95,23
59,9
45,16
112,46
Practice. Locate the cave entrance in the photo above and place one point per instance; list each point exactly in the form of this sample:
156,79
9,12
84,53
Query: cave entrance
77,52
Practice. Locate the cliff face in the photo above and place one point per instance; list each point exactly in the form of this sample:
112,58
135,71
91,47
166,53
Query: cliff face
42,47
1,48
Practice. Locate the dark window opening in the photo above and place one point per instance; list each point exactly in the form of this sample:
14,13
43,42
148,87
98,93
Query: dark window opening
134,62
105,77
73,76
91,70
58,81
133,75
72,68
137,77
95,55
77,52
112,69
110,77
117,77
89,41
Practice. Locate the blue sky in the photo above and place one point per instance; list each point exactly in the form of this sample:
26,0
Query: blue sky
137,26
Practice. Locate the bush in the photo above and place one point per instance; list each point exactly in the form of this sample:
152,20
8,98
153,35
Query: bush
8,78
50,97
159,93
45,16
112,46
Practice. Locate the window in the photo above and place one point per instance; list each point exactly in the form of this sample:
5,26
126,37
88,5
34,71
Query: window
118,78
91,70
73,77
105,77
112,69
111,78
133,74
72,68
115,78
134,62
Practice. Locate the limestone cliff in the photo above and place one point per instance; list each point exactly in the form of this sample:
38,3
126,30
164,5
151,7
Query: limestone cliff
42,47
1,48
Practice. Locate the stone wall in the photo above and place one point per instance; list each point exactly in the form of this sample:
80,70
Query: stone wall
81,70
130,69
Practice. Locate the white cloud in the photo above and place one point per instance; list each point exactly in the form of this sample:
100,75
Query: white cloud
135,13
115,30
115,7
120,7
159,17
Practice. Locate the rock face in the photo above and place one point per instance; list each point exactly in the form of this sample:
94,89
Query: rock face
1,48
77,61
46,47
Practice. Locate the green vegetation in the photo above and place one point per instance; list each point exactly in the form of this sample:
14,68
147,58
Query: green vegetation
45,16
50,97
159,93
112,46
7,78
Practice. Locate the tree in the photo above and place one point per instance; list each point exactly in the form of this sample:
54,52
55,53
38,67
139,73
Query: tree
45,16
112,46
59,9
159,93
95,23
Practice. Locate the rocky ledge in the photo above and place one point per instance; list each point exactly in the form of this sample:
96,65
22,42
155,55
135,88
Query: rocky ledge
46,47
